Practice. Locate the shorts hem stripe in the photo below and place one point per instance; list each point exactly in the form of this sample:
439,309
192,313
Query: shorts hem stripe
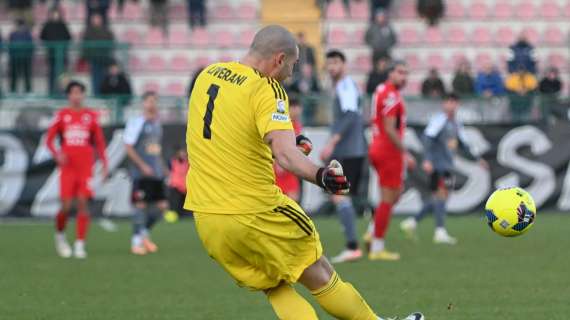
300,224
299,216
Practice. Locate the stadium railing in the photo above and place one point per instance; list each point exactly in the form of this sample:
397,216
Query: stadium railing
35,111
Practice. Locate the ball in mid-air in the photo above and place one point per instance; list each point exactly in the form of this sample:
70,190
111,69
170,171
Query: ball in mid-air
510,212
171,216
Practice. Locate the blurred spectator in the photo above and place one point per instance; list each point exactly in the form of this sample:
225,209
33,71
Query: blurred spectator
432,86
21,10
306,51
463,80
551,84
306,56
521,86
377,5
115,85
56,37
380,36
378,75
307,86
159,15
550,87
98,42
521,81
99,7
489,82
196,13
522,54
307,82
21,52
431,10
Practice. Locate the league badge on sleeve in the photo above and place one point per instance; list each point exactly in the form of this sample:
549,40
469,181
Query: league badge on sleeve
281,114
281,106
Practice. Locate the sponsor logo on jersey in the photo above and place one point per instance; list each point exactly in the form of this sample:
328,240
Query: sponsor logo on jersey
86,118
279,117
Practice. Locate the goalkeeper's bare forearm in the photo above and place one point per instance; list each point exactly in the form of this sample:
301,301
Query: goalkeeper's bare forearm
288,156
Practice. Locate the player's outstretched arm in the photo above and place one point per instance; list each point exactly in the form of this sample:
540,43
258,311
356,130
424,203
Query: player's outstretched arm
286,153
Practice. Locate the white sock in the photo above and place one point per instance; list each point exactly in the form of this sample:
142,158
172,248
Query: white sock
144,232
136,240
377,245
80,243
60,236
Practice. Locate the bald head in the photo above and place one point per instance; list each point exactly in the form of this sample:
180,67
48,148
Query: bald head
273,39
273,52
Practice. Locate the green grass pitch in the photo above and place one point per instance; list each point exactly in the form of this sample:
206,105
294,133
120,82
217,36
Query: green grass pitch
483,277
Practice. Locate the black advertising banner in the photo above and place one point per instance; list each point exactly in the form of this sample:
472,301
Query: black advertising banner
532,157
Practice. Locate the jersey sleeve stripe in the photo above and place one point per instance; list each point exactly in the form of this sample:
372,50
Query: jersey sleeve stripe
275,88
435,125
278,88
387,108
282,91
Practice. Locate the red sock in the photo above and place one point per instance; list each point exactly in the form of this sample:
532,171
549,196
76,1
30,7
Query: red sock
382,216
60,221
82,224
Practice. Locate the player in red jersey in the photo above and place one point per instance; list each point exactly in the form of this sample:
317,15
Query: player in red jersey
387,153
79,132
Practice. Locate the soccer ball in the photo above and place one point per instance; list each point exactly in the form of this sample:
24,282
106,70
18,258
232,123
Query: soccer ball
510,212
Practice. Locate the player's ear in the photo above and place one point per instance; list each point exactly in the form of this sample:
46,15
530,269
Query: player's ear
280,59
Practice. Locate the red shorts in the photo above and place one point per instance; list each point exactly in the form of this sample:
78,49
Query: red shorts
390,168
75,183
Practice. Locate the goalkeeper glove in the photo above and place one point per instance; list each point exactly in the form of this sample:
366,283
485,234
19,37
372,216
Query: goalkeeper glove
332,179
304,144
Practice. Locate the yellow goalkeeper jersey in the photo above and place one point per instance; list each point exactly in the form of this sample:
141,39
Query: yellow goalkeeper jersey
231,109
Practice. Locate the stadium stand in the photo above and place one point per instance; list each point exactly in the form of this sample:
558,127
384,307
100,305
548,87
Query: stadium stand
476,30
163,63
480,30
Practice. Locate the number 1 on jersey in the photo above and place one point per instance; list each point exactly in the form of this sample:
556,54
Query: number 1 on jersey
212,93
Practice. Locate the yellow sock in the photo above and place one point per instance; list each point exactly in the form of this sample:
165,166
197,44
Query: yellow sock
342,301
289,305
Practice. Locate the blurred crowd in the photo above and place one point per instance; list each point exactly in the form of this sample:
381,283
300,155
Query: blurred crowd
519,80
97,44
520,84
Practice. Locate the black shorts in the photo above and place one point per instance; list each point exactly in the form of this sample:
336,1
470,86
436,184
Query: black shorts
352,168
441,179
148,190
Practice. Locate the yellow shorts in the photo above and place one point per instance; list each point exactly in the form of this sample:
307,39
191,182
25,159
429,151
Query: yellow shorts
261,250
